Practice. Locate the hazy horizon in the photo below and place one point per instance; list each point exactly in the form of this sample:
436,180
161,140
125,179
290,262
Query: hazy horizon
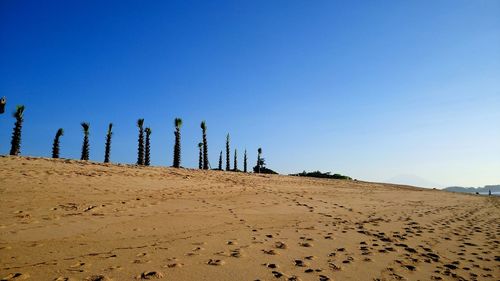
405,91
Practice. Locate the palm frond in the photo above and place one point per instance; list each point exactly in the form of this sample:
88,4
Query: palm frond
140,123
178,122
85,126
18,114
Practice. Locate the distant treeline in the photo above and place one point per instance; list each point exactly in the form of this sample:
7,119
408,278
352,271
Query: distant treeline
318,174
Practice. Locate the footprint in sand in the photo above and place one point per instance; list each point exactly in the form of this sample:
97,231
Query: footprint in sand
270,265
410,267
78,264
305,244
280,245
98,278
16,276
174,265
309,270
141,261
270,252
333,266
235,253
324,278
299,263
147,275
215,262
277,274
348,260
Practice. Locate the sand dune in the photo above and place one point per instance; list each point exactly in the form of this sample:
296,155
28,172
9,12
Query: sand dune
71,220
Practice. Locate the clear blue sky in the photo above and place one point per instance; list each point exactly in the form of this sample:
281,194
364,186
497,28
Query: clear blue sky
378,90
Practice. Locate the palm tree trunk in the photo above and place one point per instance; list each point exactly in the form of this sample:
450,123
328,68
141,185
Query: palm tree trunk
200,156
220,161
147,151
228,164
107,149
55,148
245,162
85,147
140,146
235,160
15,148
205,147
55,145
177,147
259,152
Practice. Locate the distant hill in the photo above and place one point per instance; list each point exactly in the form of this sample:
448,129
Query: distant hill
485,189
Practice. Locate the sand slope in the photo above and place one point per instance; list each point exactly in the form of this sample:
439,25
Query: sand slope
70,220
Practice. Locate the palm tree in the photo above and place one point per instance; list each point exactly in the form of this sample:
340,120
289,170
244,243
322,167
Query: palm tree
177,147
200,157
55,145
15,148
140,149
220,161
203,126
85,146
147,151
107,149
245,162
235,160
227,154
259,161
3,102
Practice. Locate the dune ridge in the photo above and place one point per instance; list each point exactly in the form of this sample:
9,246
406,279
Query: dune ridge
76,220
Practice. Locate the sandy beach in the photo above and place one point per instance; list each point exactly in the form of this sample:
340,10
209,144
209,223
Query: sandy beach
75,220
